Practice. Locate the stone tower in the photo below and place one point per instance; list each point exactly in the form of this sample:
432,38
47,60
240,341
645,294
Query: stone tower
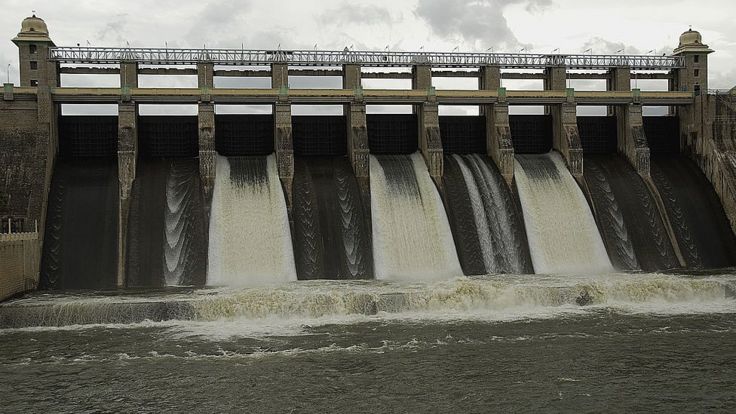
694,123
33,50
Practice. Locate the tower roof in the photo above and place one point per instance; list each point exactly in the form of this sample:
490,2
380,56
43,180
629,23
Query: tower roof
692,41
33,29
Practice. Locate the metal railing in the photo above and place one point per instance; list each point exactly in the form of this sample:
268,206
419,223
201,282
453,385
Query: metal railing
244,57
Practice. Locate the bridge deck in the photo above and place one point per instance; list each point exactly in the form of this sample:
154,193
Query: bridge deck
370,96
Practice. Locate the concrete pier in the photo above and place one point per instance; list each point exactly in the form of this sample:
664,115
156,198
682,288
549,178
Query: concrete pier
127,158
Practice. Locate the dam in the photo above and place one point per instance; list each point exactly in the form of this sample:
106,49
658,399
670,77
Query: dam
216,199
365,230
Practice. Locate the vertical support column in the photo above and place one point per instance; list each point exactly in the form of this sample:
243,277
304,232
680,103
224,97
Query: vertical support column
498,130
279,76
490,78
421,77
554,80
430,141
127,158
357,132
284,147
205,80
498,139
632,141
128,79
206,131
566,138
207,154
619,79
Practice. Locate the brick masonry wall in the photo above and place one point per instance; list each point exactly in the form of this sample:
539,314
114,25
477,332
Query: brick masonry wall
19,158
19,259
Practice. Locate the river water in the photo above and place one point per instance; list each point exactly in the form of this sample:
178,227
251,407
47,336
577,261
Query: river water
645,342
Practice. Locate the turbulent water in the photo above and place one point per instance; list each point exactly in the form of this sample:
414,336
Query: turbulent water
628,216
250,239
562,233
332,231
695,212
81,239
166,225
500,343
411,236
485,220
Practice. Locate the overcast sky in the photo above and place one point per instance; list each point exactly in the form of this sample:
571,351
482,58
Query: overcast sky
470,25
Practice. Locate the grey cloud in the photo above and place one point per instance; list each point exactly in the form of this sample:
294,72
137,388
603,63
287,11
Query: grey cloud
114,31
356,14
478,22
603,46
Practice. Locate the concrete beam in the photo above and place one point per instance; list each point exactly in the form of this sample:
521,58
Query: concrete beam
207,154
284,147
127,159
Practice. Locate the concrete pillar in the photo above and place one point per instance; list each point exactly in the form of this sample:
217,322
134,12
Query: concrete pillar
351,78
357,132
128,79
279,76
358,139
421,77
127,158
490,78
205,80
498,139
566,138
619,79
284,147
632,141
207,154
498,130
430,141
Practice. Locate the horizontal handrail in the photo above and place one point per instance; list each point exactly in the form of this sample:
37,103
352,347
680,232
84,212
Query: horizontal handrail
248,57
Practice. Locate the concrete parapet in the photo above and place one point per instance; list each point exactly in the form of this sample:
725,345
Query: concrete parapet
284,147
19,263
430,141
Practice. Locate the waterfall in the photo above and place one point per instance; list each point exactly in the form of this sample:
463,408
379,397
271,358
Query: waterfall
411,235
563,237
488,215
331,225
166,243
250,238
629,220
